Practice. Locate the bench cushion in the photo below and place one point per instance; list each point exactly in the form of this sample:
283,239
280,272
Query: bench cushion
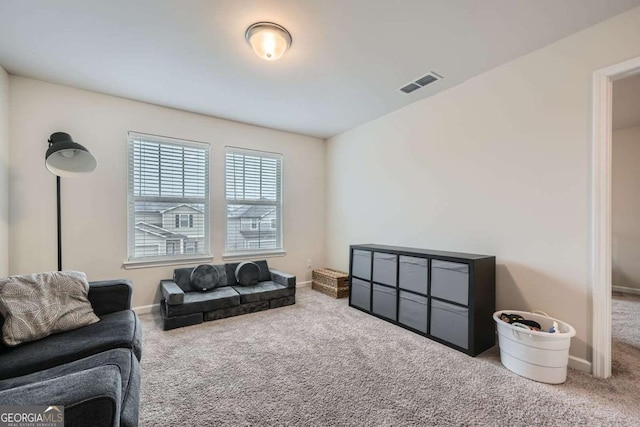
265,274
115,330
182,278
171,292
178,321
262,291
199,302
230,273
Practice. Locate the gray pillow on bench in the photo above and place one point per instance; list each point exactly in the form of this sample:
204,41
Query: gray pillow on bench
247,273
204,277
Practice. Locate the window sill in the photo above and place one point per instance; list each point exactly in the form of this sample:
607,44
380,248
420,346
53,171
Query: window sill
254,255
130,265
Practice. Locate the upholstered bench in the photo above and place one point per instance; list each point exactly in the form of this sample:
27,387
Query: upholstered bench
214,292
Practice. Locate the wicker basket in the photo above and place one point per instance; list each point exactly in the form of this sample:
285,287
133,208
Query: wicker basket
330,282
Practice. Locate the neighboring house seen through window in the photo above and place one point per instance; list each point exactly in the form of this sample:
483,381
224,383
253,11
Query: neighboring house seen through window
168,198
253,186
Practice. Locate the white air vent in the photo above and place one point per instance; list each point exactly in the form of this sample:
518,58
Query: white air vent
431,77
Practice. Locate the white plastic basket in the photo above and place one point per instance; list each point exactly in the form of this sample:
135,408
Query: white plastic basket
540,356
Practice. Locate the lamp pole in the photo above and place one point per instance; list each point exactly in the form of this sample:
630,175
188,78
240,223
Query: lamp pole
59,224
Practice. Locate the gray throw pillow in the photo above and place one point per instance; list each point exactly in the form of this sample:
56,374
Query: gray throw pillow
204,277
40,305
247,273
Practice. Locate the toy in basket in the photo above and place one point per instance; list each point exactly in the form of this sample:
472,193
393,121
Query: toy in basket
539,353
330,282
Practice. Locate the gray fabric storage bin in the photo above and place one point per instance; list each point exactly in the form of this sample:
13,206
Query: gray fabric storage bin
384,301
360,293
413,311
361,264
414,274
450,323
384,268
450,281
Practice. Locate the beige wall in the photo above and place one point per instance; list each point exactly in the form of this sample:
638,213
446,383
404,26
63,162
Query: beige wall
626,208
497,165
4,173
94,207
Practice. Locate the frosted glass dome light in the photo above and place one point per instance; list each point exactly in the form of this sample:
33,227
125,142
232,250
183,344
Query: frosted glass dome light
268,40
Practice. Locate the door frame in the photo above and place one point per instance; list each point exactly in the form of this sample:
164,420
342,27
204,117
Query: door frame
601,188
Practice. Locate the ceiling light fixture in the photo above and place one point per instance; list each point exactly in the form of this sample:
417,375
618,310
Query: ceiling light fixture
268,40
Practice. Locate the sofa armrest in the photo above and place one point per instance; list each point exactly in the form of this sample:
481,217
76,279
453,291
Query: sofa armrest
109,296
171,292
93,394
288,280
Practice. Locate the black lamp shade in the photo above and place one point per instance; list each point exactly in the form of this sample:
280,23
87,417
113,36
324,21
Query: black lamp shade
67,158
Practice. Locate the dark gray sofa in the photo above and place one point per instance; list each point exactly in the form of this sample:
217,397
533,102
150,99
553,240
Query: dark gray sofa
184,305
93,371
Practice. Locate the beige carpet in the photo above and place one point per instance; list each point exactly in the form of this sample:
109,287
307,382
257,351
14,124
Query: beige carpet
321,362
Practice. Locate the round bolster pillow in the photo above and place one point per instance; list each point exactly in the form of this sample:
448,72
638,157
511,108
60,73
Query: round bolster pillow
204,277
247,273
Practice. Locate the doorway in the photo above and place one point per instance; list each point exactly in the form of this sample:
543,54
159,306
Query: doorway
625,224
601,210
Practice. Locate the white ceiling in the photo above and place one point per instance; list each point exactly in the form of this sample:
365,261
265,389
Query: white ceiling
346,63
626,103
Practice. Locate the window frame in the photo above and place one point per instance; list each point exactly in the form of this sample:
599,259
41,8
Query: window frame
248,253
177,258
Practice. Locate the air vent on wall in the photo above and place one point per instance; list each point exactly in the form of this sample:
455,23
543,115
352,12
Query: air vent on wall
421,82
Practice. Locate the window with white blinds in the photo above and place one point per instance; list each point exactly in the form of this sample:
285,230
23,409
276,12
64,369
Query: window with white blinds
253,182
168,198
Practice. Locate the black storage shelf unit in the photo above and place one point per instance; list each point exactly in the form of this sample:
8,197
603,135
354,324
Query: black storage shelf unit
446,296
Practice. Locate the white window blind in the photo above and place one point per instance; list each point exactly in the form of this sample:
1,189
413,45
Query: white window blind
253,182
168,198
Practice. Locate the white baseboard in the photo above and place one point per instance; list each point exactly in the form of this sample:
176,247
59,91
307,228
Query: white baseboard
579,364
144,309
303,284
625,290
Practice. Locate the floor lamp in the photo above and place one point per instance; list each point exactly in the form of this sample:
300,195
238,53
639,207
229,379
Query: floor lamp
66,158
